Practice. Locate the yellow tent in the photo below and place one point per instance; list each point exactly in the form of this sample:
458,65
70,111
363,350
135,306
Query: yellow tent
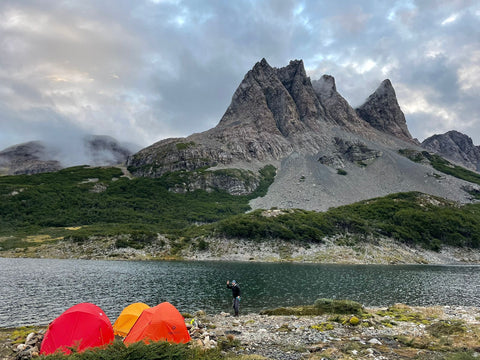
127,318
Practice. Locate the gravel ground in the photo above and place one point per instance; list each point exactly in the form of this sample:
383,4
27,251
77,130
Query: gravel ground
404,333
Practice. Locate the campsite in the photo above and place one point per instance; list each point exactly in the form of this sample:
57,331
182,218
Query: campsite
329,329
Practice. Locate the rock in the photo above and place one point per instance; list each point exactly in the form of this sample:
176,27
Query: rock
374,341
455,146
381,110
21,347
29,337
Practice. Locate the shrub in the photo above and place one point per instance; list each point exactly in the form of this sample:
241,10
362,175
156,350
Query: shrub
354,321
339,306
445,328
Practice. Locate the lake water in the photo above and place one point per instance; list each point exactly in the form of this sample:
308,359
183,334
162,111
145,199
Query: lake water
36,291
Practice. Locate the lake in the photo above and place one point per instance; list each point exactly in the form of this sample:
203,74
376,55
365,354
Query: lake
36,291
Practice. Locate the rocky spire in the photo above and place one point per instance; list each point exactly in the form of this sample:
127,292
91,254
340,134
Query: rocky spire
277,100
294,79
455,146
381,110
336,107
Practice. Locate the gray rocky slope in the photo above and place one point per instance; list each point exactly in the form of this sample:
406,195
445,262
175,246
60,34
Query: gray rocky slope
455,146
36,157
308,131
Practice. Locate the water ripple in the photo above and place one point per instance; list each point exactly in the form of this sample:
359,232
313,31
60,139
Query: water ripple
36,291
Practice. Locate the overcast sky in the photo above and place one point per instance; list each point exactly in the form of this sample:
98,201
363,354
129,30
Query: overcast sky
145,70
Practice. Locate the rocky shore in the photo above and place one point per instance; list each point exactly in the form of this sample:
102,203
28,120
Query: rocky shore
398,332
339,250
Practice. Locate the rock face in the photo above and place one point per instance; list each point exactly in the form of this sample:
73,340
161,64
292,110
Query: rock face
455,146
381,110
336,107
273,113
309,132
27,158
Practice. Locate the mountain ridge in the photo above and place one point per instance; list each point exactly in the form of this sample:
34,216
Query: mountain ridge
309,132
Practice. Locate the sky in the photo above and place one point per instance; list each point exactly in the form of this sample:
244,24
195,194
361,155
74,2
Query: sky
144,70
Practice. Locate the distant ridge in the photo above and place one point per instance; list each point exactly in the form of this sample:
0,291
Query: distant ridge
38,157
455,146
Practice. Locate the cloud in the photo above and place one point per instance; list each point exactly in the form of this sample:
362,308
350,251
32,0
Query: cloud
146,70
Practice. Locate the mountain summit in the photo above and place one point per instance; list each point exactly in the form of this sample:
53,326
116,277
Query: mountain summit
309,132
381,110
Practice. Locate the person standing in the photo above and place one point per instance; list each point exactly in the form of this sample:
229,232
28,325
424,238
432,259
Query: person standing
236,295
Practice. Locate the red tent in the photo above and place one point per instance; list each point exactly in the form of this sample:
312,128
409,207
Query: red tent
82,326
159,323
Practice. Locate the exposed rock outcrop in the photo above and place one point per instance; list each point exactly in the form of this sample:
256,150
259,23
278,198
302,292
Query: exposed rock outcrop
455,146
381,110
336,107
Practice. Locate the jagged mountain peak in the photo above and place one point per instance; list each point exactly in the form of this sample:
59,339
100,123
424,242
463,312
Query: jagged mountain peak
273,112
381,110
309,132
325,86
385,88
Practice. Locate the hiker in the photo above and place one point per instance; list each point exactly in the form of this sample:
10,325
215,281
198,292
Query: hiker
236,295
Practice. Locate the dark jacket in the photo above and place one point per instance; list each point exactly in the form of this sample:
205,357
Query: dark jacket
235,290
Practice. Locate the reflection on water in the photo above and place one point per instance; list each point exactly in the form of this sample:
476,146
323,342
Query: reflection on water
35,291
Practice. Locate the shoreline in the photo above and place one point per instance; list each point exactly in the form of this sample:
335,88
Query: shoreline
331,251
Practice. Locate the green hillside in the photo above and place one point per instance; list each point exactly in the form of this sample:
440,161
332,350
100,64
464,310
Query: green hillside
412,218
103,202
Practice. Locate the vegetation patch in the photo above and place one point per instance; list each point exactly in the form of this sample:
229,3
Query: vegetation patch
446,328
184,146
324,326
412,218
153,351
339,306
441,164
400,312
320,307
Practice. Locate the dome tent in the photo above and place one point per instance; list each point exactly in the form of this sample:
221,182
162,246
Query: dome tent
159,323
82,326
128,317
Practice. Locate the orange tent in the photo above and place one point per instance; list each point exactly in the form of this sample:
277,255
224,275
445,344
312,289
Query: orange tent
127,318
159,323
82,326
